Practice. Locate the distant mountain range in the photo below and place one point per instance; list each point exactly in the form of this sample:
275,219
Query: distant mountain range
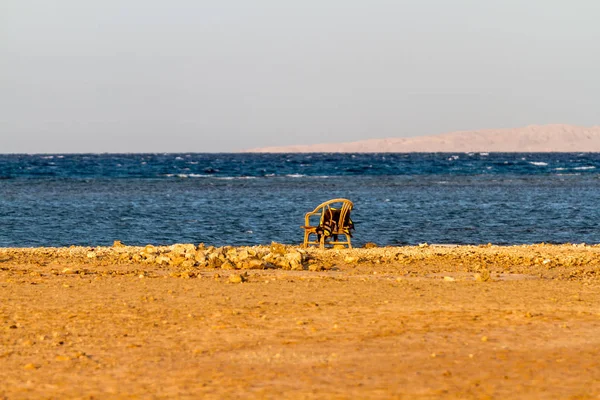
532,138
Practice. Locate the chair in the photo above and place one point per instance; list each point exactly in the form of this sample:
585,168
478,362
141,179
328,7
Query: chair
334,220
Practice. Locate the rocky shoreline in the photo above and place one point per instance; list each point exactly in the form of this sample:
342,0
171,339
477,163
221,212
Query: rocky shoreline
567,261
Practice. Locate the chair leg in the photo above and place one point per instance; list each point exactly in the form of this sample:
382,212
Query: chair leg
306,237
349,242
322,244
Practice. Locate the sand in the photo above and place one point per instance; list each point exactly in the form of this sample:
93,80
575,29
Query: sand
396,322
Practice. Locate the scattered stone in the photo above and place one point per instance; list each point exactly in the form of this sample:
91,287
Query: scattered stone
236,278
370,245
483,276
449,279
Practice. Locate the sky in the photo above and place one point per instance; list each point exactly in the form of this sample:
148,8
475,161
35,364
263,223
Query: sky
228,75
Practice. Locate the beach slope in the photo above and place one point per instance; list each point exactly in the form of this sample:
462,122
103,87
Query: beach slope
280,322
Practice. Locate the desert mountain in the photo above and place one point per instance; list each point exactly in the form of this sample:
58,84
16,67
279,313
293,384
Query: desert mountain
532,138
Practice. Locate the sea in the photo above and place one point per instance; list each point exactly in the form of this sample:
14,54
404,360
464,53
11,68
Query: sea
251,199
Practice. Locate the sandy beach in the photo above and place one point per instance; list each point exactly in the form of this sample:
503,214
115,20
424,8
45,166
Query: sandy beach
280,322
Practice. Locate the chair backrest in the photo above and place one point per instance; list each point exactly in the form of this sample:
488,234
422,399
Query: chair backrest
341,215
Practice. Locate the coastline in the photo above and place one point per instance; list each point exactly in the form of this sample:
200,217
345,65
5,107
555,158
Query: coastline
429,321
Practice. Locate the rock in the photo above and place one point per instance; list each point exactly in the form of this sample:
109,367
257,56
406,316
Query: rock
483,276
243,255
188,274
370,245
253,263
236,278
200,258
188,263
163,259
277,260
182,248
177,261
227,265
294,257
449,279
150,258
277,248
149,249
117,243
214,261
350,259
252,253
231,255
296,266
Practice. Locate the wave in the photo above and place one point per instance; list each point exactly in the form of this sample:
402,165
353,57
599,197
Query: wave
538,163
184,176
590,167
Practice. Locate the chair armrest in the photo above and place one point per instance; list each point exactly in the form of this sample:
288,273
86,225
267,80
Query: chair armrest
307,217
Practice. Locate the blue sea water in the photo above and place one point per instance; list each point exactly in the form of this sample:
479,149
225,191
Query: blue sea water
247,199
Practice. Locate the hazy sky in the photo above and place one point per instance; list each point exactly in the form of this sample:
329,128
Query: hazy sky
227,75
